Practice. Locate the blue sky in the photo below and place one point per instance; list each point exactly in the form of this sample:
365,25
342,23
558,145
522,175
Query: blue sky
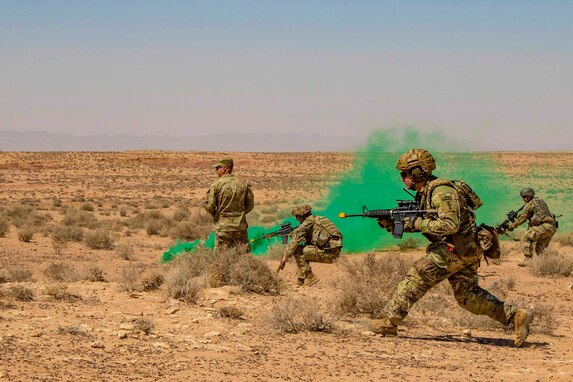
495,74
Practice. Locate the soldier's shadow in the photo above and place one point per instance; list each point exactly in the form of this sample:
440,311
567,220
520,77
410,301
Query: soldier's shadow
500,342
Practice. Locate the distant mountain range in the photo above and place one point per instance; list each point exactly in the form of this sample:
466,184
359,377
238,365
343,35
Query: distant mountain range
43,141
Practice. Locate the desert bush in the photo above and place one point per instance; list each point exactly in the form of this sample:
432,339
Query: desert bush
123,212
144,325
545,320
565,238
4,226
61,234
60,292
552,263
73,330
293,316
253,275
268,219
26,234
184,230
368,284
17,274
20,293
73,217
151,282
99,239
129,277
275,251
409,243
93,273
201,221
60,272
181,285
57,202
230,312
87,207
180,214
125,251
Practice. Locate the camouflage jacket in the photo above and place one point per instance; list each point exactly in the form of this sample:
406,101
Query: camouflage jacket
229,200
535,212
315,230
455,220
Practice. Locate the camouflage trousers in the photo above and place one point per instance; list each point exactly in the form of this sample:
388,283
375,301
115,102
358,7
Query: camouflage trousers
232,239
536,239
436,266
304,254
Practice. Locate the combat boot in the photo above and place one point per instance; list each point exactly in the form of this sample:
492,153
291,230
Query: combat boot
521,321
310,280
299,282
384,327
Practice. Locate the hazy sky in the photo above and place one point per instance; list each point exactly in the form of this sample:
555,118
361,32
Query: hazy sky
493,72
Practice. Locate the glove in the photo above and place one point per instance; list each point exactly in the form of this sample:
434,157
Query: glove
510,227
386,224
413,224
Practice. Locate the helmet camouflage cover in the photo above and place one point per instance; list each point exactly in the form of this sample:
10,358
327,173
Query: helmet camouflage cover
301,209
416,158
527,191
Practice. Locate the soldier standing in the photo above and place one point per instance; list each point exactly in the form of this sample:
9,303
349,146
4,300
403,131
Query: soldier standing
229,200
541,228
315,239
453,254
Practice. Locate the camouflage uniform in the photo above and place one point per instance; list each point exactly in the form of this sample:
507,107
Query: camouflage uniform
229,200
315,239
541,228
453,254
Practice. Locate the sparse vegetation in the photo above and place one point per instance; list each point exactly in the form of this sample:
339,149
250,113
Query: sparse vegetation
230,312
4,226
60,272
99,239
26,234
144,325
409,243
552,263
125,251
297,315
60,292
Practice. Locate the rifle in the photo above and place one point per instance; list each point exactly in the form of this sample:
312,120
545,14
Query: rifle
284,231
509,218
405,209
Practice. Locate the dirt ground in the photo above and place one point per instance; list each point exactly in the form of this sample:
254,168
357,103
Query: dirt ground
94,336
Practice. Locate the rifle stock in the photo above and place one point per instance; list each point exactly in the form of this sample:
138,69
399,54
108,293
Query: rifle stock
283,232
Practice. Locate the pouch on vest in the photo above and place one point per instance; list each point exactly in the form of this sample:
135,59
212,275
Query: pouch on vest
473,199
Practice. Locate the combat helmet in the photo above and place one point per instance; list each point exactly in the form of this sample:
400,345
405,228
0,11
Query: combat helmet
419,163
301,210
527,191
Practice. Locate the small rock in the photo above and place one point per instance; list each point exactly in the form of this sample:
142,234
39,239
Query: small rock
122,335
135,295
467,332
172,311
161,345
126,326
97,345
37,334
3,375
211,334
368,333
571,287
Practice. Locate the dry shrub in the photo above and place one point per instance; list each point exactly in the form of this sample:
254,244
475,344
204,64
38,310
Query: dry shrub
87,207
552,263
26,233
230,312
15,274
125,251
368,284
184,230
180,214
144,325
60,272
73,217
99,239
545,320
565,238
4,226
151,282
275,251
19,292
181,285
60,292
201,222
93,273
62,234
129,277
298,315
159,227
73,330
409,243
251,274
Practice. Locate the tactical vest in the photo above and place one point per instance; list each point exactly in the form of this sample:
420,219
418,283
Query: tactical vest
325,233
466,236
541,213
